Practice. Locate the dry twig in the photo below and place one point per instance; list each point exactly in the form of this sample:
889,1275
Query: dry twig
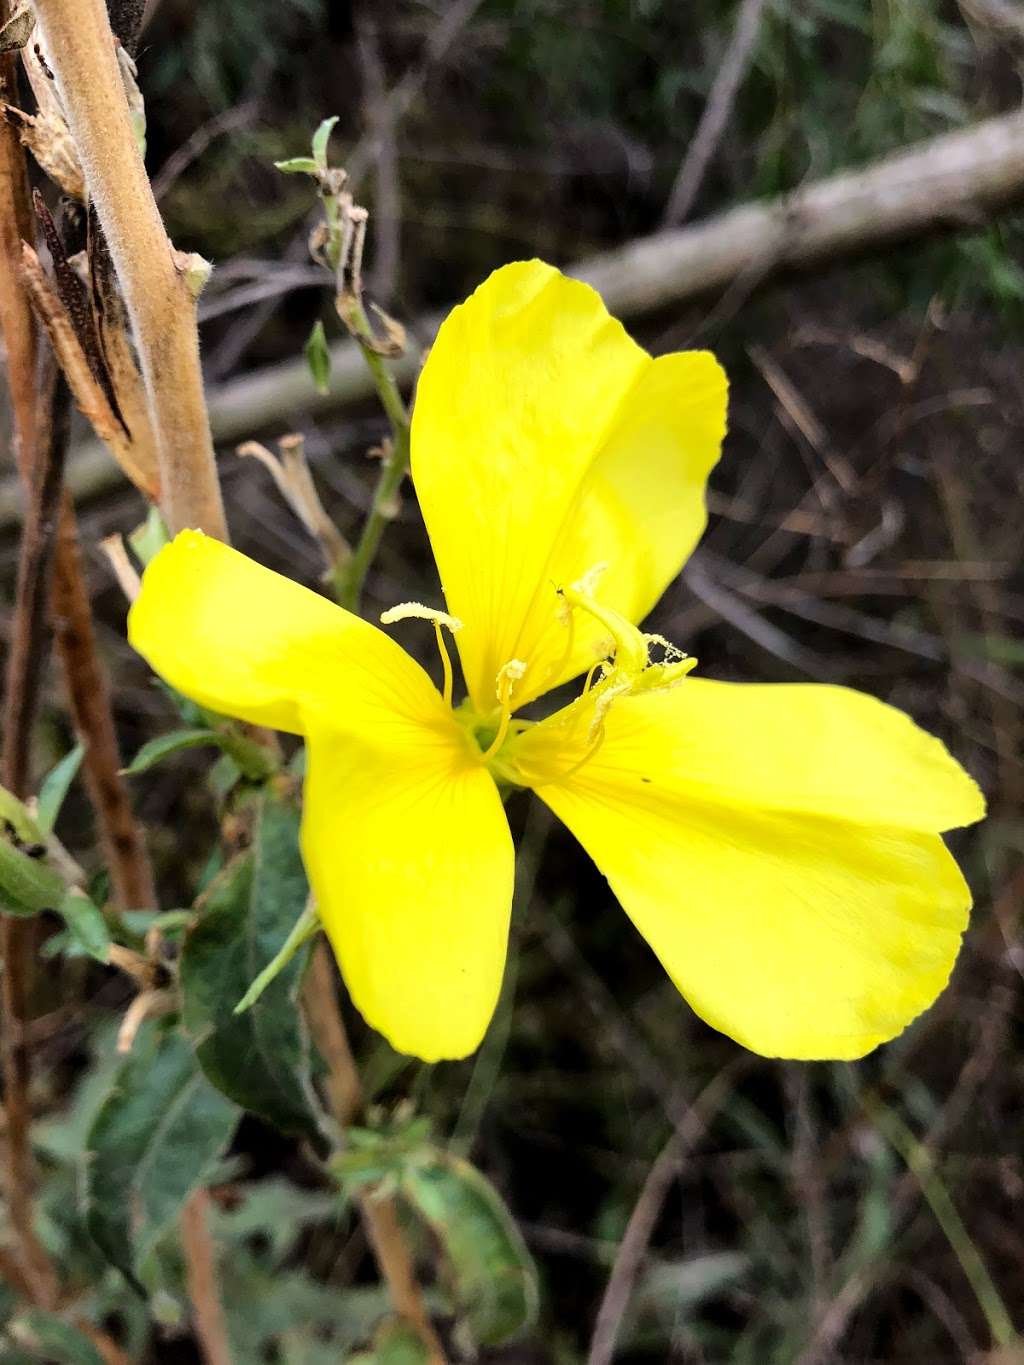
639,1229
717,111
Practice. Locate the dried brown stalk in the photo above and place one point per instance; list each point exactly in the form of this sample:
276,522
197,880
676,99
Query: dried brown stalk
201,1278
16,934
154,278
89,702
345,1093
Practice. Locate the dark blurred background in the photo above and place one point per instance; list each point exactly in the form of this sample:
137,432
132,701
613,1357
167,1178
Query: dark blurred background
865,529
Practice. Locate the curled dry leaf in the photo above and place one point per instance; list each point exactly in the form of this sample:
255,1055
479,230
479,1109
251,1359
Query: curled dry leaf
46,136
15,33
88,394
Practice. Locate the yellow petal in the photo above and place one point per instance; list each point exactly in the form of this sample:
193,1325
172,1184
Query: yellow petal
546,442
246,642
411,861
796,931
774,747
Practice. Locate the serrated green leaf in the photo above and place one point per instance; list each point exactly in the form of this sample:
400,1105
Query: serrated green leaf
27,885
318,357
153,1142
51,1340
320,139
258,1058
86,925
297,165
55,788
494,1280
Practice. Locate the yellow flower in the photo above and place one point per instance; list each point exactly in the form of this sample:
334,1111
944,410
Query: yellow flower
778,846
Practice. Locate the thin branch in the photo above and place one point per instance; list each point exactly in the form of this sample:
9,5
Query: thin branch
123,846
154,279
201,1278
29,636
387,199
717,112
345,1093
640,1228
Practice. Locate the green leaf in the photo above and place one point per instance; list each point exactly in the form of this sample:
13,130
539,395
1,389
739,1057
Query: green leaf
320,140
255,761
27,885
156,750
55,788
298,165
258,1058
307,926
15,814
394,1343
153,1142
494,1280
86,925
51,1340
318,357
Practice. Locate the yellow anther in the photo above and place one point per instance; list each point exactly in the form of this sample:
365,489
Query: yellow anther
403,611
508,675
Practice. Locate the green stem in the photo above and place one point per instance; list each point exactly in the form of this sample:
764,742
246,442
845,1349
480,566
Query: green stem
351,578
921,1163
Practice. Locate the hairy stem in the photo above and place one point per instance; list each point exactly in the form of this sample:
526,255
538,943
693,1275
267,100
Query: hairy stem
201,1277
345,1093
80,49
89,702
394,466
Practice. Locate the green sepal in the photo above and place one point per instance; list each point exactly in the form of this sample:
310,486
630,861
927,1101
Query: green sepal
253,760
318,357
307,926
320,139
297,165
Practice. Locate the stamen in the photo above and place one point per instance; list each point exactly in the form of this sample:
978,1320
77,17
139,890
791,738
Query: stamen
446,664
508,675
403,611
588,682
630,643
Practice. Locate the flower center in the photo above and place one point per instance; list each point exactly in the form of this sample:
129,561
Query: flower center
626,667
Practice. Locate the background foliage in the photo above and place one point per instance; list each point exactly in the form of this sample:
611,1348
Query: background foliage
865,530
